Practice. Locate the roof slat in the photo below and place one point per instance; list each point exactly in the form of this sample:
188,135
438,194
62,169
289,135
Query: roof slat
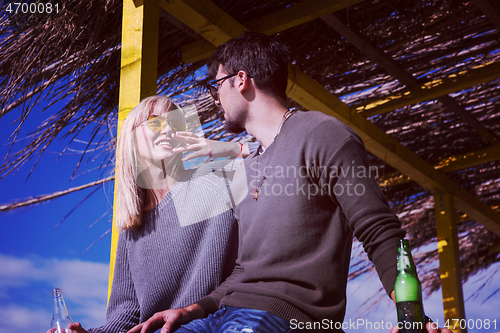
404,77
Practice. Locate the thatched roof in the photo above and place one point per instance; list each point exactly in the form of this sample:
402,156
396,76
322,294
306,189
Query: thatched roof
366,52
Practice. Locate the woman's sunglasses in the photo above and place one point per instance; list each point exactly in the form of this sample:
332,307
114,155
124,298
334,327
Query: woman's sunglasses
158,124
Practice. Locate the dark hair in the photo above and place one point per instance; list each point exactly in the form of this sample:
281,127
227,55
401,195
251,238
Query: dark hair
260,56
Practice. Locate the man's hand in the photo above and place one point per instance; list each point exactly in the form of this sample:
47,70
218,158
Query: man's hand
168,319
431,328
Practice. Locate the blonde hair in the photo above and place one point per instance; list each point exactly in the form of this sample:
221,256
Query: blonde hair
129,196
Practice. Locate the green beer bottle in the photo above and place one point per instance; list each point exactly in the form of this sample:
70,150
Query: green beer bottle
408,292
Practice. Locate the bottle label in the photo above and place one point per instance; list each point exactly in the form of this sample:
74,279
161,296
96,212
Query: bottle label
403,263
410,317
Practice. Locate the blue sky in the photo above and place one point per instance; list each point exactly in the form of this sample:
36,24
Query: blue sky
36,257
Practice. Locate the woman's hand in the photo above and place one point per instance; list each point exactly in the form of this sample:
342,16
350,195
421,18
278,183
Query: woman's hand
204,147
75,327
168,319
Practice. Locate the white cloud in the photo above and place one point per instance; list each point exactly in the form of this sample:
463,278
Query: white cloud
84,285
80,279
14,318
14,267
17,270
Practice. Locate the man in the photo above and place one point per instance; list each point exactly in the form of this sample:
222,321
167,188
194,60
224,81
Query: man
310,189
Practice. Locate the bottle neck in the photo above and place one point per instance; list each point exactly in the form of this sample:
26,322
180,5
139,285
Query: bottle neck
405,260
407,287
58,305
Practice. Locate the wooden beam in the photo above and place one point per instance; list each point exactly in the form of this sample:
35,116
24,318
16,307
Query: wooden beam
311,95
448,164
178,24
407,79
452,105
272,23
205,18
433,89
449,260
402,76
494,247
138,74
490,12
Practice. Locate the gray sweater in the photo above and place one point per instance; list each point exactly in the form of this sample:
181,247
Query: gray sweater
182,251
295,238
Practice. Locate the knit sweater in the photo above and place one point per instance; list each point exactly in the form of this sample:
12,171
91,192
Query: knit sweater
296,236
182,251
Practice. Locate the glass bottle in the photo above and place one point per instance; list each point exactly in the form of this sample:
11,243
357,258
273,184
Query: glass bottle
408,292
60,318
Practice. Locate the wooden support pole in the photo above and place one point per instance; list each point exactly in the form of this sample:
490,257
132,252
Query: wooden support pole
138,74
449,260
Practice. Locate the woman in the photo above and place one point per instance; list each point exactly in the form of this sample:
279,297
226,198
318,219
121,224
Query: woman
178,238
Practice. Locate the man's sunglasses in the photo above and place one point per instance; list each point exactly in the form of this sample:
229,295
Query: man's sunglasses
214,86
158,123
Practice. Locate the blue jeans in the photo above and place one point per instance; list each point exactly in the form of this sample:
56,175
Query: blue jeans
238,320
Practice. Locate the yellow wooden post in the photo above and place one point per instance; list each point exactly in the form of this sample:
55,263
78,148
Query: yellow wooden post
138,74
449,261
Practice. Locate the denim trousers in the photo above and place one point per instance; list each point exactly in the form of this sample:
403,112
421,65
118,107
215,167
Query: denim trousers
238,320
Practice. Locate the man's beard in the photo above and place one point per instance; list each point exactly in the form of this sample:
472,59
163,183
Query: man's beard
233,127
234,123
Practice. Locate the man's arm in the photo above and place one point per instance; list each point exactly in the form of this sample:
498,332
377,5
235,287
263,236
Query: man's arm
367,211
